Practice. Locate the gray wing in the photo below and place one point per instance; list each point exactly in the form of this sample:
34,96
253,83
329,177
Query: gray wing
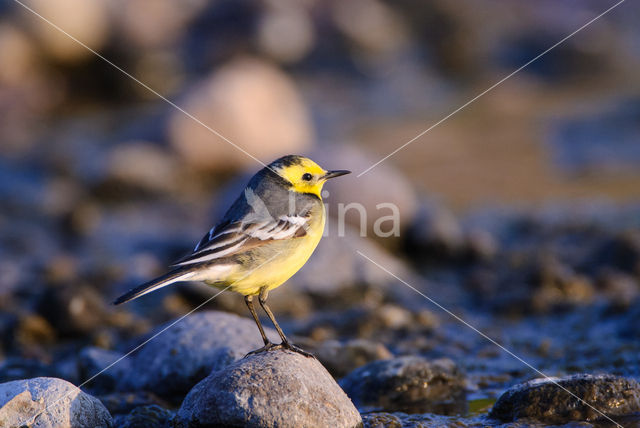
228,239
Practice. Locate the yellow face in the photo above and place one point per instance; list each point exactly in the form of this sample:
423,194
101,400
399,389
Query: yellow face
306,176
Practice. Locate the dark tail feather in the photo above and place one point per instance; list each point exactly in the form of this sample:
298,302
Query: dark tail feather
154,284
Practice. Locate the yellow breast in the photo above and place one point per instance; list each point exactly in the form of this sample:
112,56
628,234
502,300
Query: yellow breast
277,261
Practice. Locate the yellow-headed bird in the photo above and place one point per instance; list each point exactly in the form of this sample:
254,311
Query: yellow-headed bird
266,236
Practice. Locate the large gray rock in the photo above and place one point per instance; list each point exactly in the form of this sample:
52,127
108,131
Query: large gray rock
47,402
408,384
271,389
541,400
178,358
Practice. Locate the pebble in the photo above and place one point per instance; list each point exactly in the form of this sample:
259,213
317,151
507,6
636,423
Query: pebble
93,360
87,21
252,104
542,401
143,165
150,416
45,402
408,384
271,389
342,358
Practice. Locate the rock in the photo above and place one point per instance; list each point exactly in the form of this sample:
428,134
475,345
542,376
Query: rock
147,25
15,368
123,403
542,401
74,310
342,358
94,360
17,56
435,234
45,402
252,104
376,192
402,420
371,25
143,165
178,358
407,384
151,416
620,288
286,33
87,21
278,388
524,282
33,330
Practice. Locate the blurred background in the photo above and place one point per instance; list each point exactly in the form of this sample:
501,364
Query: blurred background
524,206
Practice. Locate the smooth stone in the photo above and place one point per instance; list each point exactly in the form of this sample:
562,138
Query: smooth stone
543,401
342,358
46,402
241,100
150,416
143,165
188,351
270,389
88,21
122,403
435,233
93,360
408,384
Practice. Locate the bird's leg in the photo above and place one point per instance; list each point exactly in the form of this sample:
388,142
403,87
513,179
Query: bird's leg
267,343
262,298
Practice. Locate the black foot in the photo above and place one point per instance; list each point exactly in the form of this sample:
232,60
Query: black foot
294,348
285,345
266,348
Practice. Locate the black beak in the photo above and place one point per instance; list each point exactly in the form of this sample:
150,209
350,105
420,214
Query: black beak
336,173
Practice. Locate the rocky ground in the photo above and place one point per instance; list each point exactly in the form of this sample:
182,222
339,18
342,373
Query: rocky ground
559,291
510,297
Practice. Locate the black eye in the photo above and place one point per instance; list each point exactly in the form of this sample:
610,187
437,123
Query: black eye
307,177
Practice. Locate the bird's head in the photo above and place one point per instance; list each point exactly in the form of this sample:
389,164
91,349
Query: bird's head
304,175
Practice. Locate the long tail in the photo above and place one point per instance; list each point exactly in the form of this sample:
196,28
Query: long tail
154,284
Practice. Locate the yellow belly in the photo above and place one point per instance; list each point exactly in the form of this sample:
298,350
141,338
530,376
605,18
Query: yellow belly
274,263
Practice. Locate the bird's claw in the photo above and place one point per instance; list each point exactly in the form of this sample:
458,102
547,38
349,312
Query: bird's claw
294,348
284,345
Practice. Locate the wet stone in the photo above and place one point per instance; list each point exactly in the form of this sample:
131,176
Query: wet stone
150,416
408,384
542,401
122,403
403,420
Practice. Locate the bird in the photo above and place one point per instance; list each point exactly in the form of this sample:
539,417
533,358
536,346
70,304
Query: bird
264,238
